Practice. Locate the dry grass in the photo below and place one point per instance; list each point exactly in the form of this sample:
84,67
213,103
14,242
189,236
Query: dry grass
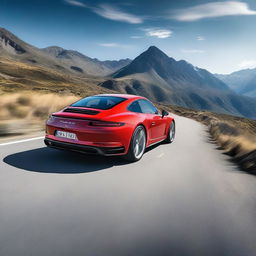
28,93
235,135
17,76
24,112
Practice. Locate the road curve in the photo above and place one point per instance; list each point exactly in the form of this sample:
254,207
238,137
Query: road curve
181,199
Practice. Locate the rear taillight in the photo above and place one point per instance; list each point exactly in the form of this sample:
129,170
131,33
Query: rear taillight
105,124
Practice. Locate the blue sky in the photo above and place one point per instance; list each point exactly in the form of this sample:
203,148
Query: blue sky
216,35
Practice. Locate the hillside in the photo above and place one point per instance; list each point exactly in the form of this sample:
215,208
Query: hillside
81,64
152,74
163,79
243,82
55,58
27,68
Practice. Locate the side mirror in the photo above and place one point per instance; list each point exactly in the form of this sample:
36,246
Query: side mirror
164,113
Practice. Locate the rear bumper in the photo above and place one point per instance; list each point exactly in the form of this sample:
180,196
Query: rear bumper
105,151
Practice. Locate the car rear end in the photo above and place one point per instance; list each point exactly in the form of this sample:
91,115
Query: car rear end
86,130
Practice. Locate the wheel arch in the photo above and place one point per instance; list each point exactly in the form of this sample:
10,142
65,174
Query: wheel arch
169,124
145,129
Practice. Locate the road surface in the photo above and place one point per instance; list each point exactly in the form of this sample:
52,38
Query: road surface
181,199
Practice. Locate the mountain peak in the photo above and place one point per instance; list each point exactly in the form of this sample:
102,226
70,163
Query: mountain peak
170,70
151,59
54,47
154,51
53,50
153,48
3,30
4,33
10,43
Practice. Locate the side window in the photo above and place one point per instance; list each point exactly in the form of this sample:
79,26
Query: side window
147,107
135,107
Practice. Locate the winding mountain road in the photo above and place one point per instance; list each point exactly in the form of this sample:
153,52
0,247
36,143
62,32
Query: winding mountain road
183,198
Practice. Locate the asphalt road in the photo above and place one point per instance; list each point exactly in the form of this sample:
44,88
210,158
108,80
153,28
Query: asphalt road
181,199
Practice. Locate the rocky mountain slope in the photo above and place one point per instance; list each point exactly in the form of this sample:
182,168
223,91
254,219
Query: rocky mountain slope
243,81
56,58
163,79
76,61
152,74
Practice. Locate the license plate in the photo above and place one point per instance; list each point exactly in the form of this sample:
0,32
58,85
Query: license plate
67,135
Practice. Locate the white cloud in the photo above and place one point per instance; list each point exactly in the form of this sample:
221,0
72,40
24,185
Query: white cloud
159,33
247,64
109,12
76,3
200,38
136,37
214,9
109,44
192,51
113,13
112,45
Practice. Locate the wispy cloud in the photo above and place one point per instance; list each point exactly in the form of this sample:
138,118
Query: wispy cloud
109,44
200,38
76,3
113,13
247,64
192,51
109,12
157,32
136,37
214,9
113,45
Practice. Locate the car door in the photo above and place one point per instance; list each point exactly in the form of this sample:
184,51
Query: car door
157,126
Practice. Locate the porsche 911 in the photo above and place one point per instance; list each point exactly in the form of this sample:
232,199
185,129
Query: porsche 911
110,124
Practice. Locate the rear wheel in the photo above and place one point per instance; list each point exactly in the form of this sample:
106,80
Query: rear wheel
137,145
171,133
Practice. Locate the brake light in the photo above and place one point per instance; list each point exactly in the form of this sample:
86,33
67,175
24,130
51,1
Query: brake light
105,124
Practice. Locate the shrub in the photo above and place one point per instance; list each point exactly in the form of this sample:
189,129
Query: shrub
23,100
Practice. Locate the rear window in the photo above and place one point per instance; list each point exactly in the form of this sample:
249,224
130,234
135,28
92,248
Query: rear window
99,102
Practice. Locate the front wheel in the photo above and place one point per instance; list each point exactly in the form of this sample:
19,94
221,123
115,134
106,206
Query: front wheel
171,133
137,145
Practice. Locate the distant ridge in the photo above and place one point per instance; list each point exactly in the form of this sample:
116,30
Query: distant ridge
152,74
161,78
55,57
243,82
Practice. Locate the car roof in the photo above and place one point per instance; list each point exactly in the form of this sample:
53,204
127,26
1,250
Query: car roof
127,96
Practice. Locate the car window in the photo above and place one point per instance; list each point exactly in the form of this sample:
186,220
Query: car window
147,107
135,107
99,102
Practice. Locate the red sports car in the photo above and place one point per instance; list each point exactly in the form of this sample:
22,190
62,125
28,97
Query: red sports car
110,124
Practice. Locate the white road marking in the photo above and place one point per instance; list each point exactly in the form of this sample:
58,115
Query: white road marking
20,141
160,155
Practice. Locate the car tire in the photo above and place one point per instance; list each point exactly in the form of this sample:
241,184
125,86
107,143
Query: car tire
137,145
171,133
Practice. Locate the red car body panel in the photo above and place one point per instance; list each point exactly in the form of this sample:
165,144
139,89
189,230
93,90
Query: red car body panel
155,125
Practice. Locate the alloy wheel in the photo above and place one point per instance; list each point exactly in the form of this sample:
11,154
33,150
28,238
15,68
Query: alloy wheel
139,142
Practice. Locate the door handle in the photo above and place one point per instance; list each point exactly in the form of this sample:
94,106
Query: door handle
153,123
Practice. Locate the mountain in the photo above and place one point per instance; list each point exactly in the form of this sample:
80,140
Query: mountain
163,79
25,67
175,73
152,74
243,81
56,58
78,62
13,48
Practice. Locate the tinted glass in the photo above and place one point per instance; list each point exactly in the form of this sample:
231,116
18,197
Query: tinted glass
147,107
99,102
135,107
